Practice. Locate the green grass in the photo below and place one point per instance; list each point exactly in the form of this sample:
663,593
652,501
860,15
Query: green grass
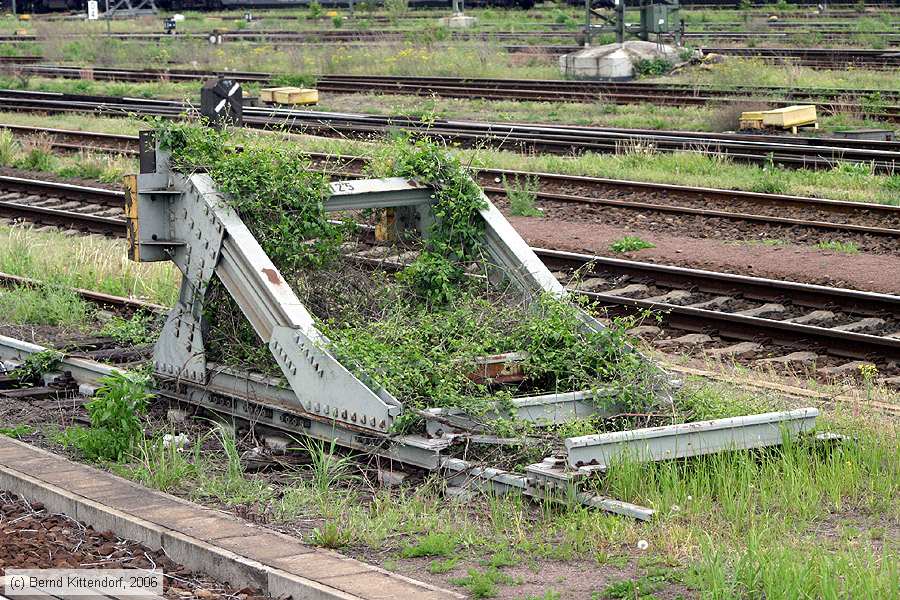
683,168
482,584
743,525
439,567
44,305
17,431
631,589
162,466
522,194
433,544
838,246
36,154
710,117
756,72
90,262
630,244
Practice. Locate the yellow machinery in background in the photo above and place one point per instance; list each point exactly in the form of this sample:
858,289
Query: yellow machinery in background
788,117
289,95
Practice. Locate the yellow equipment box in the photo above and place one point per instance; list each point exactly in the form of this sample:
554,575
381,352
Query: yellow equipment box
289,95
791,116
752,119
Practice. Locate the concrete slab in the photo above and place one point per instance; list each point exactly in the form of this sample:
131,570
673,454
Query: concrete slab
329,564
380,586
263,547
210,528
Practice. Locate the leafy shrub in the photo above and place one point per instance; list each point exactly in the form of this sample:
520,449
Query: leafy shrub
315,9
630,244
652,67
135,330
455,239
522,194
35,365
115,412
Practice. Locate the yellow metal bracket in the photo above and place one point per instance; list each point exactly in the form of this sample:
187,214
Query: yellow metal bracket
131,217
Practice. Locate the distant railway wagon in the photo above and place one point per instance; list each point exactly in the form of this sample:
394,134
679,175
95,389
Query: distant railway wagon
42,6
740,4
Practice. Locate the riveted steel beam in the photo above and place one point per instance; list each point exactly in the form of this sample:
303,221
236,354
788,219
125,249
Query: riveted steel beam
599,452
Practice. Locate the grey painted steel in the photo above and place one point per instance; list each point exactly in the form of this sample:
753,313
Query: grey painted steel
267,402
552,479
546,409
513,257
186,220
189,214
82,370
270,305
377,193
599,452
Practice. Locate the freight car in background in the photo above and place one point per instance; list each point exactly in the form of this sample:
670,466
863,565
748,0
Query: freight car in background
740,5
43,6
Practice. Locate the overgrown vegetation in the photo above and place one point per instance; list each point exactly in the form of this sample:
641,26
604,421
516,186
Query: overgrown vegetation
652,67
133,331
522,194
46,304
89,262
115,411
35,365
630,243
418,333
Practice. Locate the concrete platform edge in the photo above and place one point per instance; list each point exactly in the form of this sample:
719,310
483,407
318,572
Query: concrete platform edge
222,564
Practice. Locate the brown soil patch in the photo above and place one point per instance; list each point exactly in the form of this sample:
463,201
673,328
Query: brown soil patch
794,263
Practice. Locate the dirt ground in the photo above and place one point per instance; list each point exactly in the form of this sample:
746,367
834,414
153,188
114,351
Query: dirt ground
875,273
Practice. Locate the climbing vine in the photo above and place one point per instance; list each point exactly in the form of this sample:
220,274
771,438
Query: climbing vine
417,333
455,238
271,186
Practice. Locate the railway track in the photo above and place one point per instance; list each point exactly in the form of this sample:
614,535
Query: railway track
539,42
556,34
868,58
795,152
702,309
874,103
733,214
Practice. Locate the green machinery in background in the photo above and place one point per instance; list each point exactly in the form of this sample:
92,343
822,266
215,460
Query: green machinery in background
657,17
